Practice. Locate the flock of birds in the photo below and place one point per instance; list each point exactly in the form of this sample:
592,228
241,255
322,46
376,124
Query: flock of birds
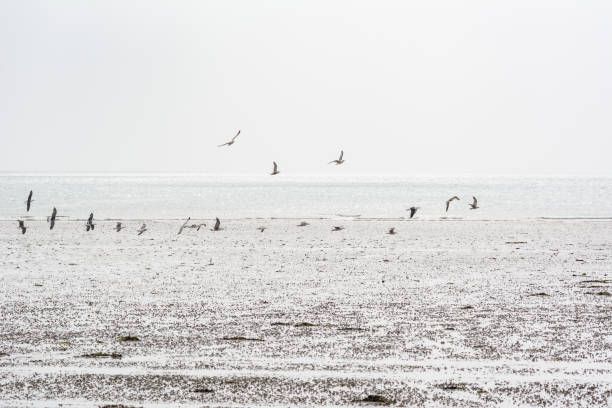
89,225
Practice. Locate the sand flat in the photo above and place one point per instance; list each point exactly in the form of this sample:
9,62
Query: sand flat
445,313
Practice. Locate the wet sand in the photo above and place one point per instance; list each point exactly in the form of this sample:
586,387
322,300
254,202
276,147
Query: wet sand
445,313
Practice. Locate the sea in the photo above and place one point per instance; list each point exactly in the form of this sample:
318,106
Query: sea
206,196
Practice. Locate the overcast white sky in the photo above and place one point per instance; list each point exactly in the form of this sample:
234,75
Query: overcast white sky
409,87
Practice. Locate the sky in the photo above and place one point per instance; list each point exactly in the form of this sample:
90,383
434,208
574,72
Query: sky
403,87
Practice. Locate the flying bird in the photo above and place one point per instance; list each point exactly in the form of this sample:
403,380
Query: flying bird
231,142
450,200
183,226
261,229
118,227
90,225
217,226
303,224
196,226
474,205
22,226
336,228
340,160
142,229
29,201
413,211
392,231
275,169
51,219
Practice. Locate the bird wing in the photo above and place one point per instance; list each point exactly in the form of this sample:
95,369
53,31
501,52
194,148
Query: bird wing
341,155
217,224
234,138
447,204
475,201
183,226
275,166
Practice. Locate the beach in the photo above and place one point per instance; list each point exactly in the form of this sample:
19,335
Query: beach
463,313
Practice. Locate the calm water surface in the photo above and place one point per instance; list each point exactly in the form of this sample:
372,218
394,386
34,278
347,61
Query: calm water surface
130,196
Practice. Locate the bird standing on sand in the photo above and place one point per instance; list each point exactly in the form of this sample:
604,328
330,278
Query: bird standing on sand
22,226
339,160
474,205
217,226
231,142
413,211
142,229
118,227
183,226
450,200
392,231
336,228
51,219
89,225
275,169
29,201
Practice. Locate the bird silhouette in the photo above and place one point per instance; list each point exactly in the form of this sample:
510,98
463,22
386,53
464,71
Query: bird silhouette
474,205
29,202
231,142
274,169
450,200
338,161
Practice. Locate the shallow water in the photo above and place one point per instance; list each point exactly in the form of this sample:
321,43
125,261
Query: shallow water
441,314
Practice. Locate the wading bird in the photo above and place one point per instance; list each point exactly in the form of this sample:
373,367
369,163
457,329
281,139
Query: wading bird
217,226
474,205
450,200
392,231
22,226
118,227
339,160
275,169
231,142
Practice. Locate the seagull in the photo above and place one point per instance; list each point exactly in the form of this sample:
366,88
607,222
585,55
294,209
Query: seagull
142,229
183,226
90,224
303,224
217,226
451,200
474,205
118,227
340,160
413,211
51,219
231,142
275,170
29,201
392,231
261,229
196,226
336,228
22,226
